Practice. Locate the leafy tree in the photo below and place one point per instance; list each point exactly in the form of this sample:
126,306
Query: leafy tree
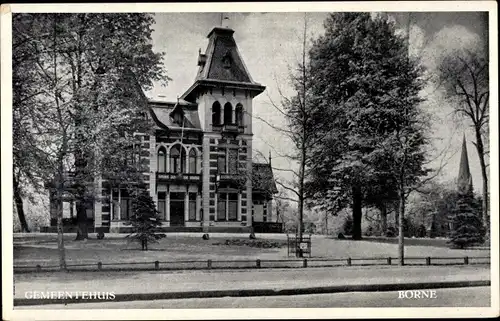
433,206
369,93
145,220
467,226
465,76
93,67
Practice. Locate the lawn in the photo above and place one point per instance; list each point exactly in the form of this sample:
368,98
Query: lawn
31,249
42,249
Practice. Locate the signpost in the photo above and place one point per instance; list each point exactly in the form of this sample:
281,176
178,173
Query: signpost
294,245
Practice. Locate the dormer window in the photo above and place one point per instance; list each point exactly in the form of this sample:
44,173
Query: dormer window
177,118
226,60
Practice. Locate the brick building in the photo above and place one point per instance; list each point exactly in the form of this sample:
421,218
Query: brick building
201,174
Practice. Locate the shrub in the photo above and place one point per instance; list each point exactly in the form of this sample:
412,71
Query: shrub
348,225
392,231
421,231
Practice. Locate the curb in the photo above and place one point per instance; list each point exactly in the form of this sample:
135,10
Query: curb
260,292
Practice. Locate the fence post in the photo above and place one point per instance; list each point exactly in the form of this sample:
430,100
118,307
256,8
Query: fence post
466,260
99,265
38,268
428,260
157,265
349,261
304,264
257,263
209,264
389,261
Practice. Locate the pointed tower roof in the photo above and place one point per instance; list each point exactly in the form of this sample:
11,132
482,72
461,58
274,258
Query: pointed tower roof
222,65
464,181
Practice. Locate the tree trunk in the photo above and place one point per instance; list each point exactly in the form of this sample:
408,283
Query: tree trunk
326,223
401,236
59,209
81,176
19,205
81,218
357,212
480,153
396,215
383,218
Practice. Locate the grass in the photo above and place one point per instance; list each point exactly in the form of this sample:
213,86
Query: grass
42,248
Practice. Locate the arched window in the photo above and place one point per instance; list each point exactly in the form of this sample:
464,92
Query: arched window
216,114
228,113
239,114
162,160
192,161
177,159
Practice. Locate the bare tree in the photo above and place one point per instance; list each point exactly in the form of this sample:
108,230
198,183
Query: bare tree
465,76
300,130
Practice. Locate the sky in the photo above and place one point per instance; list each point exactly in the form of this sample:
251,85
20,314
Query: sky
270,44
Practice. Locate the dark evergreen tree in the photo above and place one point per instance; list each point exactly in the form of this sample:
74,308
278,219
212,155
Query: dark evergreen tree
467,226
145,220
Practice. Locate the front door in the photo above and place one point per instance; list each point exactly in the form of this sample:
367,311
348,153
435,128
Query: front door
176,209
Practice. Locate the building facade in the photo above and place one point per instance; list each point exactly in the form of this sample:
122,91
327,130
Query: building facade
201,175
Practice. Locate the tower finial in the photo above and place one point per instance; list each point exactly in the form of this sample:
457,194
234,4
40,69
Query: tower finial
269,157
222,18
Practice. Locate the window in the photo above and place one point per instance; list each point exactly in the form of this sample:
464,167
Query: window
192,206
221,207
233,160
227,207
162,160
115,204
226,60
216,114
228,113
177,159
232,206
239,114
192,161
161,205
125,208
178,119
221,162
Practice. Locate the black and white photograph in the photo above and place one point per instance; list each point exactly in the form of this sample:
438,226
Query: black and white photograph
193,161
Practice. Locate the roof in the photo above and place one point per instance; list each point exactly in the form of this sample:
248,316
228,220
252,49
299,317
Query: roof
164,114
222,63
464,180
263,178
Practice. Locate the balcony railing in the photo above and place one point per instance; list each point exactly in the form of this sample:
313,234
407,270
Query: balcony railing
229,128
229,177
178,177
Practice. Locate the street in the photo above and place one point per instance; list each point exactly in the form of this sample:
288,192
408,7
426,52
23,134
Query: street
157,282
456,297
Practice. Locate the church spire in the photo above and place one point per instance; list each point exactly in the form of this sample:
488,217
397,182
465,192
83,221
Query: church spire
464,181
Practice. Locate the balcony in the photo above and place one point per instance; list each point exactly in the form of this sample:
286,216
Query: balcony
229,128
178,177
230,178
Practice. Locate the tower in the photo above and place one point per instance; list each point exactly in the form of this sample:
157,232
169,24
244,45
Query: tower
464,181
223,91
